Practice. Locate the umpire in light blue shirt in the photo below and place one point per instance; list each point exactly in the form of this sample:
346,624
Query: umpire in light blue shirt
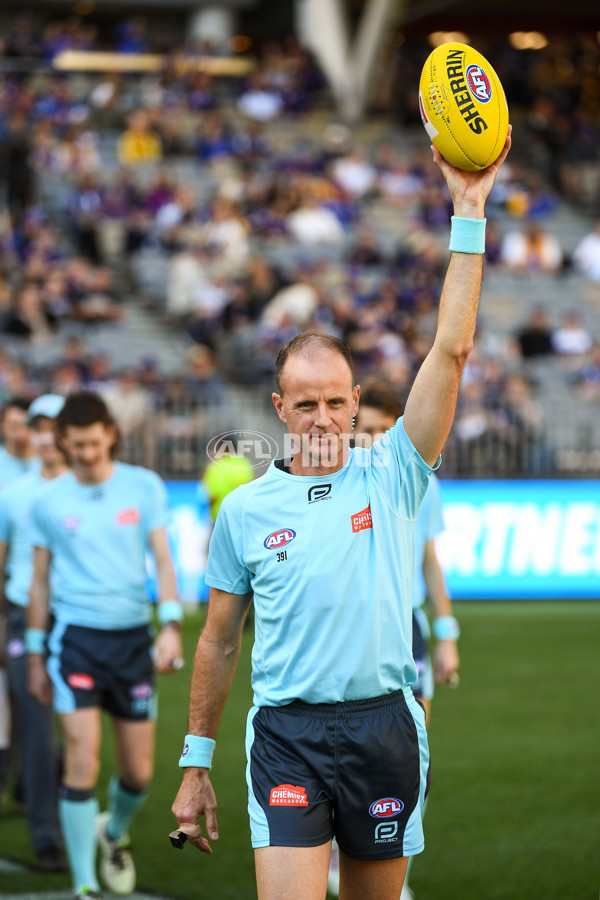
33,722
91,534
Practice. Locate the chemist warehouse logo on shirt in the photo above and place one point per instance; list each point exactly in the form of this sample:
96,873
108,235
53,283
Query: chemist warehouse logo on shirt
362,520
128,517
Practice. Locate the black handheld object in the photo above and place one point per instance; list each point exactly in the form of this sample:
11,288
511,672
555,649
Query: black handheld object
178,839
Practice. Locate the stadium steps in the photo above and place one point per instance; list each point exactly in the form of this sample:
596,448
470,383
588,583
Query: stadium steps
136,337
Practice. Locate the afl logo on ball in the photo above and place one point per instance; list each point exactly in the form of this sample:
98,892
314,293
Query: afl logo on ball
385,808
478,83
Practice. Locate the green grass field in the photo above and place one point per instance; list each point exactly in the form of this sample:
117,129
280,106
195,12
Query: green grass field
514,810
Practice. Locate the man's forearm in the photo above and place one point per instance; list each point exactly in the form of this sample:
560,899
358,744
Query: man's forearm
459,301
435,584
37,609
214,668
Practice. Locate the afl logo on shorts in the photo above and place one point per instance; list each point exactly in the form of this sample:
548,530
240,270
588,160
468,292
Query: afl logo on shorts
141,691
385,808
478,83
279,538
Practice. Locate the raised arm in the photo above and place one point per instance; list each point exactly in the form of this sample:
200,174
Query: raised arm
215,663
431,403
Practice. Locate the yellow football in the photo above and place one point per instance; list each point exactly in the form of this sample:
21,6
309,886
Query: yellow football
463,106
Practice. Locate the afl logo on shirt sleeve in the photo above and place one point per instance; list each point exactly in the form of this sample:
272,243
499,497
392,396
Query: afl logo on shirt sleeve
279,538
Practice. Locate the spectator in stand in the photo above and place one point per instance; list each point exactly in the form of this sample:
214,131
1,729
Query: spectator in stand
66,379
519,429
259,102
586,257
227,232
366,250
16,172
312,223
29,317
531,249
130,406
354,174
398,182
534,338
99,371
84,206
587,380
131,36
215,138
571,338
139,143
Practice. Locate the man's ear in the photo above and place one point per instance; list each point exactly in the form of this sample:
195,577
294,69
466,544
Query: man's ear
278,403
356,397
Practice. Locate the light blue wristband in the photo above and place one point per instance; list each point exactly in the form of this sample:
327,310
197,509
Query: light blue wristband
446,628
197,751
467,235
35,640
169,611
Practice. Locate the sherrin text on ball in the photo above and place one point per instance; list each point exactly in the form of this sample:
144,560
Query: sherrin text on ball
463,106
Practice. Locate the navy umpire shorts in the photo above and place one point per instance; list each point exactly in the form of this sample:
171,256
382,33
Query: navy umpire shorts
112,670
357,770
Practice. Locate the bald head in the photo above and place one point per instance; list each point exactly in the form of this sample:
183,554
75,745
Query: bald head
311,345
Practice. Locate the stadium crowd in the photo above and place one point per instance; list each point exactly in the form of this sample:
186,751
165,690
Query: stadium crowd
255,228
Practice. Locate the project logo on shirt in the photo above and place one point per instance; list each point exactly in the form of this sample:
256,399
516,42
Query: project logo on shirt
318,492
279,538
128,517
288,795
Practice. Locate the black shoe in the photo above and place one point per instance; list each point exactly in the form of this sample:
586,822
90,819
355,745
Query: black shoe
52,860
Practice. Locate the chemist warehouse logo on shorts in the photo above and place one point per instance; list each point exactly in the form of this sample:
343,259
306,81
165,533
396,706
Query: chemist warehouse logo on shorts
288,795
80,681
